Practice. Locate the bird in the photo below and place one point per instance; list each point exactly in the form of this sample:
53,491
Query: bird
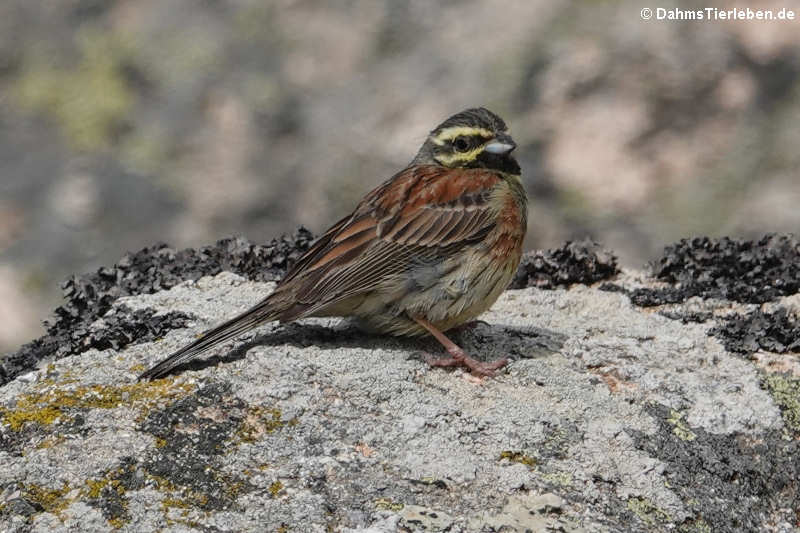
426,251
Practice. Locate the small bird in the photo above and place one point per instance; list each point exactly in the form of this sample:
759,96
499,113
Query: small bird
426,251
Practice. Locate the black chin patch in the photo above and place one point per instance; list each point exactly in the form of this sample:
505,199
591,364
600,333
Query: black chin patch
503,163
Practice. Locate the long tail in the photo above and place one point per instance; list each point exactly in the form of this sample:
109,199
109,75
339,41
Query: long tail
259,314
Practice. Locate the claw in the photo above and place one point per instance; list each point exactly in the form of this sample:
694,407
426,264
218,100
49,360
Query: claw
457,355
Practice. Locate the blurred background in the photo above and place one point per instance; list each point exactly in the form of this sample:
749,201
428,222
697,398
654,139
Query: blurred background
126,122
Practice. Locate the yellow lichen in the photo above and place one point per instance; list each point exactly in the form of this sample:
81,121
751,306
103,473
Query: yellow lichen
117,522
563,479
27,412
176,497
162,484
260,421
46,407
51,500
648,512
785,390
385,504
275,488
696,525
681,429
94,487
174,502
518,457
49,442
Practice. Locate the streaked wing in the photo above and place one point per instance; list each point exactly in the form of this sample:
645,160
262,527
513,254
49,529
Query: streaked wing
312,254
422,214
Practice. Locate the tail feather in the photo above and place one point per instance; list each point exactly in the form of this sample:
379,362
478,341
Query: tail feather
261,313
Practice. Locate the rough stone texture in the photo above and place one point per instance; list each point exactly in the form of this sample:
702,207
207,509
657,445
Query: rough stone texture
610,417
88,297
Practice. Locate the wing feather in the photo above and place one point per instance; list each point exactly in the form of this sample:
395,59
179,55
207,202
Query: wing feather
421,214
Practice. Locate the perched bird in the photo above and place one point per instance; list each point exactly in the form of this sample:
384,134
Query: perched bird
428,250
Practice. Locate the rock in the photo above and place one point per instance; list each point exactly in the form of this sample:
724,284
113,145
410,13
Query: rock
610,417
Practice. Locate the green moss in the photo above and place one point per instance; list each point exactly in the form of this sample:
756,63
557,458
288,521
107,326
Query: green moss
519,457
648,512
90,100
785,390
44,408
681,429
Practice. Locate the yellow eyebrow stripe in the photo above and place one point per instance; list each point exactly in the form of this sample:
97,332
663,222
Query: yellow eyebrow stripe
452,132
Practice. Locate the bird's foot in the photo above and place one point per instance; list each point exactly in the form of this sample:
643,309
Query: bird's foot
457,355
459,358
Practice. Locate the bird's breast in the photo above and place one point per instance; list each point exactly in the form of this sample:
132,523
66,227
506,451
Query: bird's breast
511,222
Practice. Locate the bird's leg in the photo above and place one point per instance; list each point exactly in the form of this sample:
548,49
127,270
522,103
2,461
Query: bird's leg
457,355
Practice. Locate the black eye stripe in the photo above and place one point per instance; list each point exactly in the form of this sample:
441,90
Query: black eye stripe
468,142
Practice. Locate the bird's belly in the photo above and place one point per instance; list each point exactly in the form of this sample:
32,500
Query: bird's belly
457,291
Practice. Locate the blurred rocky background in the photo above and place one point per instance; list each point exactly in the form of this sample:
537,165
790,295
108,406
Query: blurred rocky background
126,122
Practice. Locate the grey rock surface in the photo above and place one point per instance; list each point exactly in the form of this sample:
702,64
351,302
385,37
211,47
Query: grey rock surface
610,417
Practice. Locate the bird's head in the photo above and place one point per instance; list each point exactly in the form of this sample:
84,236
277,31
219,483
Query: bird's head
475,138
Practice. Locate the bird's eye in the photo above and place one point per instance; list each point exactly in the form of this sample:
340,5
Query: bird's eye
461,144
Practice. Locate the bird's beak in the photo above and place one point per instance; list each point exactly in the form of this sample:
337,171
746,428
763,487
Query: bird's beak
501,145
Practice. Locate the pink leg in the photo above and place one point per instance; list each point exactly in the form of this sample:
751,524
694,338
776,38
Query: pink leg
457,355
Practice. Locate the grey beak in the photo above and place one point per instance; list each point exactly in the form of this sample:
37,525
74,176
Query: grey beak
501,145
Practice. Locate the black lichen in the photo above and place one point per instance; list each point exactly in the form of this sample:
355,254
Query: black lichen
152,269
733,482
777,332
730,269
576,262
